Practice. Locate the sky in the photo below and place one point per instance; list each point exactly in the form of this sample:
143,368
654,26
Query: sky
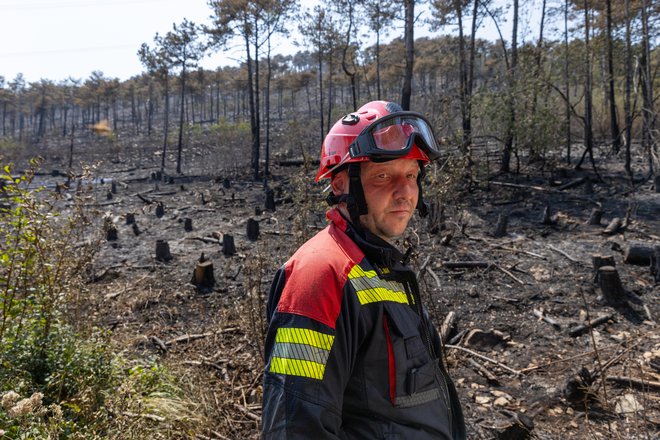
58,39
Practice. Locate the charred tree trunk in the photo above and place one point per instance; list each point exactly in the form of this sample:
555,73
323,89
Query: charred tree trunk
406,92
505,165
614,124
628,88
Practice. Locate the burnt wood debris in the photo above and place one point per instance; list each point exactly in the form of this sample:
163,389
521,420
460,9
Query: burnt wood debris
521,281
555,272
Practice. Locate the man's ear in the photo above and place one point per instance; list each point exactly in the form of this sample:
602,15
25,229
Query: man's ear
339,183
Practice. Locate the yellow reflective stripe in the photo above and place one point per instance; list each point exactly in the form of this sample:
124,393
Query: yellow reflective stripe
304,336
369,288
377,294
358,272
297,367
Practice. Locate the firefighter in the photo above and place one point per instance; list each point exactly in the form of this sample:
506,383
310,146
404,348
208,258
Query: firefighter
350,350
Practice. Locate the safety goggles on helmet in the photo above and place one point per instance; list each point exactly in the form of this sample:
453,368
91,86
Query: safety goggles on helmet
393,136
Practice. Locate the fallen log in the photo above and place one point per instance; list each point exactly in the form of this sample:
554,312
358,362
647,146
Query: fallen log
249,414
542,316
144,199
187,338
559,251
485,358
447,326
490,377
159,343
465,264
638,254
640,384
572,184
583,328
205,239
613,227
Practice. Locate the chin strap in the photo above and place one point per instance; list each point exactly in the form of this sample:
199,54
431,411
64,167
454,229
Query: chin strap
422,206
355,201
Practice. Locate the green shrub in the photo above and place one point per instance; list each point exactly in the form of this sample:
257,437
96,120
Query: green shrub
58,375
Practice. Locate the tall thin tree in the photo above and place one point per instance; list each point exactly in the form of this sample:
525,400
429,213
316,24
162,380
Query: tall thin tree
409,39
614,123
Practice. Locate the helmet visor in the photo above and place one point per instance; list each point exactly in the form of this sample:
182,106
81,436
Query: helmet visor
394,135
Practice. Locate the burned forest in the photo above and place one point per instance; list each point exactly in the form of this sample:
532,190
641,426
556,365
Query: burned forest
143,220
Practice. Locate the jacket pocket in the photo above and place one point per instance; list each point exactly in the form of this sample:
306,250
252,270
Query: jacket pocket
412,370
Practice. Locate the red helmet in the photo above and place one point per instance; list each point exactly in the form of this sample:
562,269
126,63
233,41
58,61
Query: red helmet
379,129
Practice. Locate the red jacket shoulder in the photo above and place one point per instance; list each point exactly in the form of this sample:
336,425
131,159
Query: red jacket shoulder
315,276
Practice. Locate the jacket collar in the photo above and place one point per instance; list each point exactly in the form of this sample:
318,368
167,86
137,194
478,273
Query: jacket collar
377,250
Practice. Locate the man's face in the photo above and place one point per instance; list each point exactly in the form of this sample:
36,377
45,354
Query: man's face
390,189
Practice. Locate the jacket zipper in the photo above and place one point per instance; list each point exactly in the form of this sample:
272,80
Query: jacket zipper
412,291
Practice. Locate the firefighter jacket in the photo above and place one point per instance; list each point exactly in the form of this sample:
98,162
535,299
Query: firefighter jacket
350,352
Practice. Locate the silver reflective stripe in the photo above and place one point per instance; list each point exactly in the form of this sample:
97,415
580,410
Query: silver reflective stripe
300,351
417,398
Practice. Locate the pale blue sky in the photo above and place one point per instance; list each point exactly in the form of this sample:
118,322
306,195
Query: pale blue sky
56,39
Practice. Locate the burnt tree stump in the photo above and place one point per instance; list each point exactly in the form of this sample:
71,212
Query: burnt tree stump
113,187
252,229
638,254
163,250
656,183
203,274
500,227
226,183
613,227
111,233
130,218
270,200
109,195
588,188
187,224
160,210
136,229
546,216
610,285
595,217
228,247
110,229
599,261
655,264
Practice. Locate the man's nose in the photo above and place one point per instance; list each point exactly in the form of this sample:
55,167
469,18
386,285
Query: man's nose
406,188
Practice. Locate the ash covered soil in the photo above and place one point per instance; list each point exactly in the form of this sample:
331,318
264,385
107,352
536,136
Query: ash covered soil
520,366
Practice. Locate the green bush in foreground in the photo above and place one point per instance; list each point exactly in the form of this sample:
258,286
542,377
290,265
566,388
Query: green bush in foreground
59,379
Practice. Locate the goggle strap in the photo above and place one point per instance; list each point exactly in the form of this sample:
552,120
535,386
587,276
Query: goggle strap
422,206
